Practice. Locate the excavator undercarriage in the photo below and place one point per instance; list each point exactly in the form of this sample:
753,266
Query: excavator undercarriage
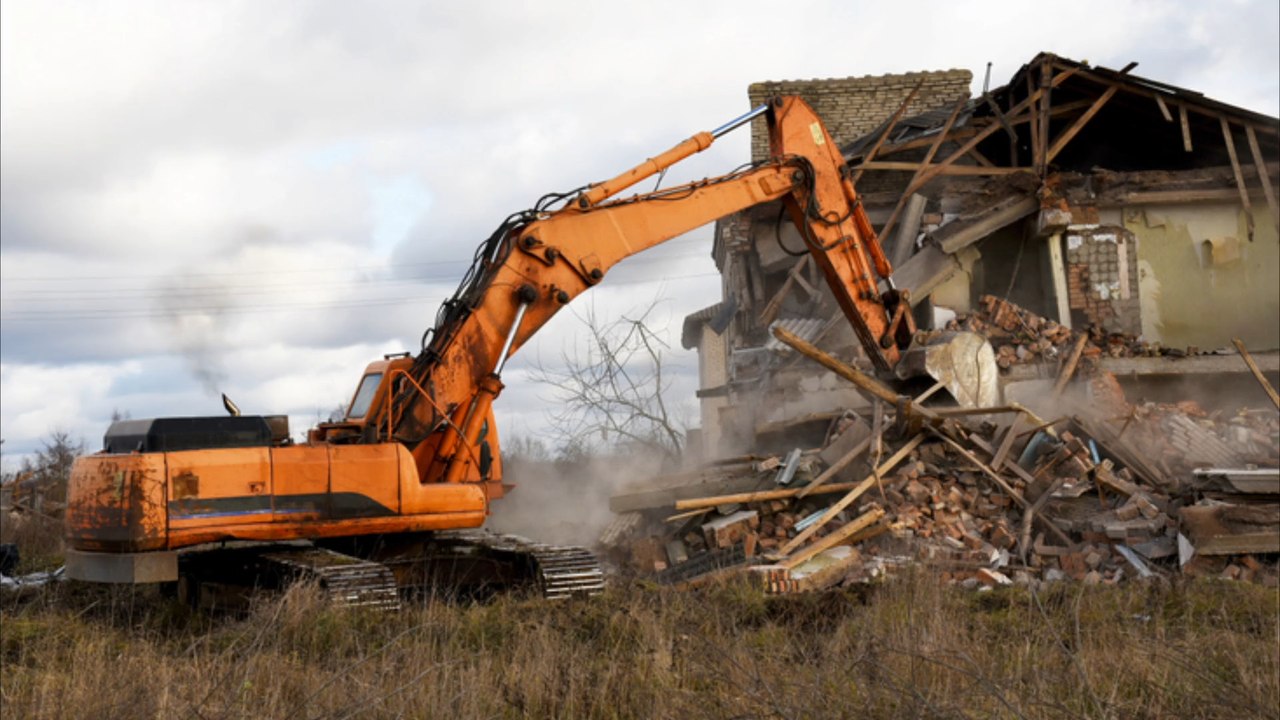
381,571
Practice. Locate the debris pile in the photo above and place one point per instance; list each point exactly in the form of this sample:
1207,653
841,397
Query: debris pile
988,496
1020,336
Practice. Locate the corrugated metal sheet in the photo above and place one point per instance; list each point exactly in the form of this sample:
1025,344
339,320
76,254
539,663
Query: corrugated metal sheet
806,329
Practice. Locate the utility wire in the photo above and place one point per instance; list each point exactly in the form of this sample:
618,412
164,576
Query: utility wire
43,315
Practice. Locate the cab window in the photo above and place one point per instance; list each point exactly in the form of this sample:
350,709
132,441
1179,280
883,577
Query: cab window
364,396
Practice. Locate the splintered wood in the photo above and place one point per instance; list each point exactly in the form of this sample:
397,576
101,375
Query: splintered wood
985,497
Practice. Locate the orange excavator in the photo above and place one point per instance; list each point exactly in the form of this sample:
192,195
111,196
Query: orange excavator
389,499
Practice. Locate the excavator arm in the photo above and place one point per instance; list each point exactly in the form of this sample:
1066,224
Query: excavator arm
539,261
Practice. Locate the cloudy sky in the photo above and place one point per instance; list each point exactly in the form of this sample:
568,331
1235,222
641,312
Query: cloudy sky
258,198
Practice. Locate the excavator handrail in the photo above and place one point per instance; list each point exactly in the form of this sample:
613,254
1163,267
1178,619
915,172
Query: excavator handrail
391,409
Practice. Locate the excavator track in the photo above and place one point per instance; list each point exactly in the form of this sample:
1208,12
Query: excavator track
348,581
558,571
482,563
378,572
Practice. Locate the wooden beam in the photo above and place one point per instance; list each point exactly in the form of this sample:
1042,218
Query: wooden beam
981,159
928,158
1000,116
893,121
983,134
1065,137
1186,127
836,466
1045,74
1034,126
845,532
1072,361
1007,443
844,502
1056,111
774,305
1164,109
1253,367
942,169
1235,168
871,387
1267,188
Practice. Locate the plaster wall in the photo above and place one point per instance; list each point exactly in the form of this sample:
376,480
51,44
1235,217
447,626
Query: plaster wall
1194,294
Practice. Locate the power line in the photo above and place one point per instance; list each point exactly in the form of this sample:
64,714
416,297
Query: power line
177,293
298,271
42,315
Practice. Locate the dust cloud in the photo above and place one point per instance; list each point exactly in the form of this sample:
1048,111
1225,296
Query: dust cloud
567,502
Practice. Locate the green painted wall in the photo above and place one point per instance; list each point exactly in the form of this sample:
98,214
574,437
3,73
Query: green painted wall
1187,301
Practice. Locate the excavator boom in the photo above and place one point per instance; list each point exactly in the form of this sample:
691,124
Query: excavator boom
536,265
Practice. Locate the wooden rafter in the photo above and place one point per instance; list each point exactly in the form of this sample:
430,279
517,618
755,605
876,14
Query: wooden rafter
983,134
1265,128
1235,168
1065,137
1186,127
1267,188
893,121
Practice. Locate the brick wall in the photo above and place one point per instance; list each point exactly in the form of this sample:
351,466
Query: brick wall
1102,279
852,107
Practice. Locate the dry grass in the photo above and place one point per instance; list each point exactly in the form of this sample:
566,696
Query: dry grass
909,648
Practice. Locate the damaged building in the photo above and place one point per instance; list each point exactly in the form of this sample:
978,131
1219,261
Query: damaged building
1091,197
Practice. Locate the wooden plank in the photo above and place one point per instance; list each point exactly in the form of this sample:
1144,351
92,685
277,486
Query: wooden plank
1065,137
1235,169
1186,127
893,121
846,531
1257,373
1263,175
665,497
1007,443
774,305
1058,269
1072,361
1164,109
759,496
853,494
836,467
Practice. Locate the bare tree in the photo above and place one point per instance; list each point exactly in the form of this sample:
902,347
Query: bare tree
612,390
45,475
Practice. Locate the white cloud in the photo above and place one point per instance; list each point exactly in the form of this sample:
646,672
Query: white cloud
307,179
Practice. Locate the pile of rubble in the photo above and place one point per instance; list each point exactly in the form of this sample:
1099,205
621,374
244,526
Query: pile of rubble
988,496
1020,336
